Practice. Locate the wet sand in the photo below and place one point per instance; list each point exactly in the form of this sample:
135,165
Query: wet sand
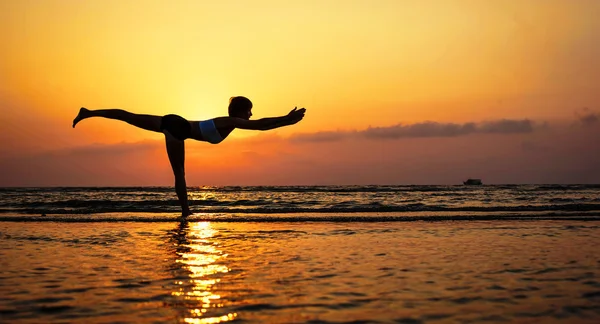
317,272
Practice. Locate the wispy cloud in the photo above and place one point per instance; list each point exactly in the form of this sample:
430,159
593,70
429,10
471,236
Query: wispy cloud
320,136
564,154
506,126
424,129
588,118
113,149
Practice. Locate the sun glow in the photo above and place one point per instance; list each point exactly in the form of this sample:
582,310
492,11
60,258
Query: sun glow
352,64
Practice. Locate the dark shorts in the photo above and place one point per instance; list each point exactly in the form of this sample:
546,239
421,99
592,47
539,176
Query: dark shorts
178,126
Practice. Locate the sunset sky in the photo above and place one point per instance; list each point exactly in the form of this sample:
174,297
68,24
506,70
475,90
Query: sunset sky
396,91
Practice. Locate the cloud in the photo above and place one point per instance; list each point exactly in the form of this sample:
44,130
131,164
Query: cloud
589,119
586,117
563,155
320,136
424,130
111,149
91,165
507,126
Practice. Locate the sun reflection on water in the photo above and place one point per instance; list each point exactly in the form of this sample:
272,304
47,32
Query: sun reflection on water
202,195
203,259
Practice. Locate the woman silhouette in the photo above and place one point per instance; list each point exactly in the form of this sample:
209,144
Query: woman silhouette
177,129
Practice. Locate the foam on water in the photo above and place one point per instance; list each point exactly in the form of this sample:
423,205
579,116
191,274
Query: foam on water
304,203
304,217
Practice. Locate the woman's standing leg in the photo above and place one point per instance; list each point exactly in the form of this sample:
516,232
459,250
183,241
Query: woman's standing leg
176,153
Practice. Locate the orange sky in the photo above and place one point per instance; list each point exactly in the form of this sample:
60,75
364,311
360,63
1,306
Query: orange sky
352,64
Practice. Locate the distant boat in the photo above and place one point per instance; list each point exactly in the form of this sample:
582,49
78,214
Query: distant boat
473,182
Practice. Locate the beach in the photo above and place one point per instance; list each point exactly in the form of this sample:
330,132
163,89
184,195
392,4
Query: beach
318,162
290,272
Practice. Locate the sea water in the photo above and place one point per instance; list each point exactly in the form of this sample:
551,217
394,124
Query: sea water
301,255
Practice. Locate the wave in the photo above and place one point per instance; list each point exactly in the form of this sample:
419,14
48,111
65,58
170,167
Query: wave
294,218
317,189
267,200
248,207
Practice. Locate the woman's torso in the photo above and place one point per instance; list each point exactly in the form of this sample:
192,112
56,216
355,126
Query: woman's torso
206,131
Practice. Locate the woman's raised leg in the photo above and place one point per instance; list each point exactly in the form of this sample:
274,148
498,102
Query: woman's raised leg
147,122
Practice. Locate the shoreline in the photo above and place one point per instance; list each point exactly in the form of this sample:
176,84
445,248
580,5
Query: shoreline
357,217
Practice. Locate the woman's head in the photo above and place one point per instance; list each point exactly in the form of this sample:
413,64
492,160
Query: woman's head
240,107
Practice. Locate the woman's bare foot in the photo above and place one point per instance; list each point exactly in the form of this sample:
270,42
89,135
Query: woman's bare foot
186,213
83,114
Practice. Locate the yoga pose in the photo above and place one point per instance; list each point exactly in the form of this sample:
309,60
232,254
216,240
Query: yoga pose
177,129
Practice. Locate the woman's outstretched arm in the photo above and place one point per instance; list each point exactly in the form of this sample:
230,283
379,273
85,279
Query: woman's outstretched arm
292,118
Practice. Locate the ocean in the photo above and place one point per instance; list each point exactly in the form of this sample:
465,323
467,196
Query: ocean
301,254
303,203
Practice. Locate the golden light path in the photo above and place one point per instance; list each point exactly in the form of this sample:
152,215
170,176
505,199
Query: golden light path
202,262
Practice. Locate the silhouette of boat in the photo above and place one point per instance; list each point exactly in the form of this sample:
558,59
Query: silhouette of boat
473,182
